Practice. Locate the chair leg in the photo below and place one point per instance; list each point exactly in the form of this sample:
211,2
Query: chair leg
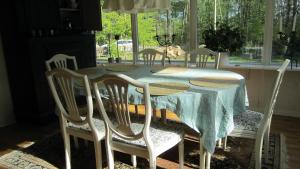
266,143
67,150
133,160
67,143
110,156
202,155
258,151
181,154
98,154
152,162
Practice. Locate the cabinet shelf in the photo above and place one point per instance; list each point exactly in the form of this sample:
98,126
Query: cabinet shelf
69,10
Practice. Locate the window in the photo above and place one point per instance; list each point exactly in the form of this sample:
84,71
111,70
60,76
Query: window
172,24
247,15
284,20
114,24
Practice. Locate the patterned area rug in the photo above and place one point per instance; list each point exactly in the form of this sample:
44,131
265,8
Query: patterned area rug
49,154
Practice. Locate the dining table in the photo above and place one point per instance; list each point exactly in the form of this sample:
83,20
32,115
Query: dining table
204,99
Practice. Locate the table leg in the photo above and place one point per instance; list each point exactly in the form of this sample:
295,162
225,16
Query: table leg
154,115
219,143
163,113
136,108
202,155
207,162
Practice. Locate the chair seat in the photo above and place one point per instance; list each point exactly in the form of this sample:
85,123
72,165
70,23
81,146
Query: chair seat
248,120
163,136
85,128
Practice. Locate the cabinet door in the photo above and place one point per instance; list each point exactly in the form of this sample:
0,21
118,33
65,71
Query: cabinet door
91,14
34,15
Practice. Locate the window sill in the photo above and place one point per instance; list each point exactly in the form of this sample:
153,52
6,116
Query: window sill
229,66
259,67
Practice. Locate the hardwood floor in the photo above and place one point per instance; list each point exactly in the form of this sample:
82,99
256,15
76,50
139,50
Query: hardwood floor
290,127
20,136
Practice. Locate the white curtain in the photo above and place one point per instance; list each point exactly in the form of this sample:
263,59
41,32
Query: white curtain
135,6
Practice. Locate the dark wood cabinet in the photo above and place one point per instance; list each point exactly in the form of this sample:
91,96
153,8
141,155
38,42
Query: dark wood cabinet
42,49
26,51
54,17
32,99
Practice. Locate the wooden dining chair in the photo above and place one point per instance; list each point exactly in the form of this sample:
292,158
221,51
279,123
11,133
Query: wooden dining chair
73,121
149,56
63,61
256,125
140,137
202,56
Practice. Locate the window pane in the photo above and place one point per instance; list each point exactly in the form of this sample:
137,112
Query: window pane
245,15
114,24
283,22
169,27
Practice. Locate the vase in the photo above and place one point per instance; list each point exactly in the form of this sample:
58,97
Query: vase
118,60
110,60
224,58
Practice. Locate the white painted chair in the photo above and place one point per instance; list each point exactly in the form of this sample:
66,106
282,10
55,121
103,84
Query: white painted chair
72,122
256,125
136,138
61,61
149,56
202,56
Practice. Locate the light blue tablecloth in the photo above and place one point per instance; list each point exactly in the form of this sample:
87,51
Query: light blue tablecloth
209,111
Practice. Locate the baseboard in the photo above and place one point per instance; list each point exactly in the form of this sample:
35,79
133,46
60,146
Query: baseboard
288,113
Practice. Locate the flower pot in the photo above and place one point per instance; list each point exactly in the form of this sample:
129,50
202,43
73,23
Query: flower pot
110,60
118,60
224,58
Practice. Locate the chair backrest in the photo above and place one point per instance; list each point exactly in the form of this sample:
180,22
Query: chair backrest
149,56
273,97
117,87
61,61
202,56
62,83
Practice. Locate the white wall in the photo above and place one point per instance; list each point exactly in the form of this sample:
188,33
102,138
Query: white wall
6,107
259,84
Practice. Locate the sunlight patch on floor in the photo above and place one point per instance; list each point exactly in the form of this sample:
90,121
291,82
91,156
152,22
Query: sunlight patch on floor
25,144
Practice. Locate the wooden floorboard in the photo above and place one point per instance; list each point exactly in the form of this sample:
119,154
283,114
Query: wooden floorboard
19,136
290,127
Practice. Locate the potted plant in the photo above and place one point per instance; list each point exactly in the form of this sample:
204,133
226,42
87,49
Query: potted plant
225,40
118,59
110,59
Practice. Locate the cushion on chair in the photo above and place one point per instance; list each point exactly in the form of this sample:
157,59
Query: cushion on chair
248,120
97,122
163,136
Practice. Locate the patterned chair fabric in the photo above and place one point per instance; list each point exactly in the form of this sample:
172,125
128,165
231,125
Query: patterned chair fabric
99,124
161,135
248,120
